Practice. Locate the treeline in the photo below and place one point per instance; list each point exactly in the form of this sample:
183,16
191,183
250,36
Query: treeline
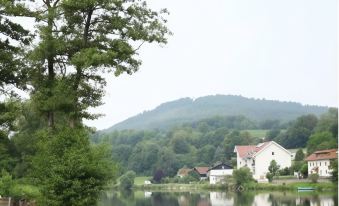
187,110
205,142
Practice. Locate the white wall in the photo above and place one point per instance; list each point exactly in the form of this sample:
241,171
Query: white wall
218,175
323,167
264,158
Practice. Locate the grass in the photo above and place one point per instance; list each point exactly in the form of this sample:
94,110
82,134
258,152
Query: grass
140,180
257,132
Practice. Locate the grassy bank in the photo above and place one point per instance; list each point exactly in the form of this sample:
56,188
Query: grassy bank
250,186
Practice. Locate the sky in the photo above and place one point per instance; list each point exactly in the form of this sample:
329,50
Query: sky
281,50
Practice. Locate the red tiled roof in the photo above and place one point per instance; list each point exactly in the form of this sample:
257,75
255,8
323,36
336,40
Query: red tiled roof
249,150
323,155
202,170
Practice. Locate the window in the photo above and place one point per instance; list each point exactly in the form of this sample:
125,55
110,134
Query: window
326,164
320,163
272,153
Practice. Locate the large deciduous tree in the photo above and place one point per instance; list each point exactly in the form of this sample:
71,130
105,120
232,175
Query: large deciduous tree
81,40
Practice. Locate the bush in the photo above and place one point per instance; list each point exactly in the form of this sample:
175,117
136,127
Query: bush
68,169
285,171
314,177
304,170
242,176
127,180
269,176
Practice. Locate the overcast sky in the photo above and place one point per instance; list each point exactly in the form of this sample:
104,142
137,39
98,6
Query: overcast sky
274,49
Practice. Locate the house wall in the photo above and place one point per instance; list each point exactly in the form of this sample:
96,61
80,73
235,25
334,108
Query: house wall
323,167
218,175
264,158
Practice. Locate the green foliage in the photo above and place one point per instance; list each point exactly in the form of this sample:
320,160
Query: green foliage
334,168
299,155
321,141
194,176
187,110
127,180
298,133
242,176
273,169
236,138
269,176
69,170
6,184
285,171
304,170
314,177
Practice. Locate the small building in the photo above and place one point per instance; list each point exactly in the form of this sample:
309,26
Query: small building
202,171
258,158
219,172
319,162
183,172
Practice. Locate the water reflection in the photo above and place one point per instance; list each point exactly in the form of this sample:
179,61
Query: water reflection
148,198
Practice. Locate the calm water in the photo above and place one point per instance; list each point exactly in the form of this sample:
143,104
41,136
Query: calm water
142,198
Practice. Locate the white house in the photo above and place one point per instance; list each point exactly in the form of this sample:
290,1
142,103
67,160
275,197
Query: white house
218,173
319,162
258,157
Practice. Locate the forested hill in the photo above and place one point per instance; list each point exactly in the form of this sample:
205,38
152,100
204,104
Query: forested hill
187,110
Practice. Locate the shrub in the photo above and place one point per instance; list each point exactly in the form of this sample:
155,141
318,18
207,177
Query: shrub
304,170
269,176
314,177
127,180
242,176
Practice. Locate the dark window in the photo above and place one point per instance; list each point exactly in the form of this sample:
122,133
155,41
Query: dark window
272,153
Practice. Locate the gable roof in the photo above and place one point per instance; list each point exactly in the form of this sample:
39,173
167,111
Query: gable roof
323,155
249,150
201,170
220,166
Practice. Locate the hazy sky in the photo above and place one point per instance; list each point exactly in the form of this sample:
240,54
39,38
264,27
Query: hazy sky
274,49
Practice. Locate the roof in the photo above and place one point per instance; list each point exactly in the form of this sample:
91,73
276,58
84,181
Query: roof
220,166
184,171
249,150
323,155
201,170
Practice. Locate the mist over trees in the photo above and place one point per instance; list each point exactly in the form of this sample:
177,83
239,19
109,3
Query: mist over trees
204,142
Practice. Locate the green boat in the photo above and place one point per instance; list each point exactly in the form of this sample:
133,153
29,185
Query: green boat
306,188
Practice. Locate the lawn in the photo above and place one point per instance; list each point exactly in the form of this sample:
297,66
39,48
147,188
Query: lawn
257,132
141,180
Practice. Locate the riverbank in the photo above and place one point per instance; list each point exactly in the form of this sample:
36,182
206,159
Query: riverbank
250,186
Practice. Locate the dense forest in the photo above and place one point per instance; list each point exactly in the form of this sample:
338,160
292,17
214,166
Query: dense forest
184,110
210,140
54,57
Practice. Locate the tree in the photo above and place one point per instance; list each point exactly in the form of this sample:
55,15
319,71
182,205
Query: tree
14,38
242,176
304,170
273,170
334,168
127,180
79,42
321,141
236,138
158,175
68,169
299,132
299,155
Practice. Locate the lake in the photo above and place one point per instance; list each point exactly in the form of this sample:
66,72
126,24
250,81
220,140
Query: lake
217,198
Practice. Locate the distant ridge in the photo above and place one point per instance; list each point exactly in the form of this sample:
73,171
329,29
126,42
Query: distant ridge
186,110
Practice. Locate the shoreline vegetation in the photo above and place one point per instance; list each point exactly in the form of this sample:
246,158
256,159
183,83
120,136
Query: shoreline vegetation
319,187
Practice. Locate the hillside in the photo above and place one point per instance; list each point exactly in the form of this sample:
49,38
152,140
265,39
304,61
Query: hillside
187,110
